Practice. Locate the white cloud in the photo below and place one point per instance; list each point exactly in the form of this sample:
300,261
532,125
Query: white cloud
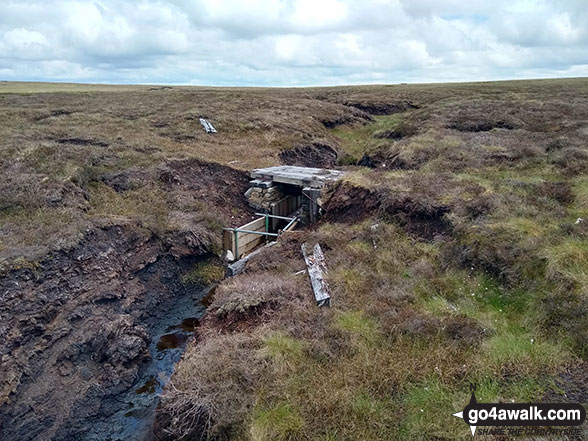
318,14
291,42
23,39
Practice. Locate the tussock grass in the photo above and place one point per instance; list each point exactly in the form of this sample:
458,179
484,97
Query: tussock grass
425,407
568,262
28,234
148,205
581,193
526,353
362,328
357,140
280,423
283,350
240,294
205,273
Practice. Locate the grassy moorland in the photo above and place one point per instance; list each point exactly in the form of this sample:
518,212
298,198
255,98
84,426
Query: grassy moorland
71,154
460,255
457,244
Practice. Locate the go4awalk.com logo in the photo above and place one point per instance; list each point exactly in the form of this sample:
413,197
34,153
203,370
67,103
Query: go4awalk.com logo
536,418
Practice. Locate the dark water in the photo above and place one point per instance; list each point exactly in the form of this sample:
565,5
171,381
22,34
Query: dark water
168,341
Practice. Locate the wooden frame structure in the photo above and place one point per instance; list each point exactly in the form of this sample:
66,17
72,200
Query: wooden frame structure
244,239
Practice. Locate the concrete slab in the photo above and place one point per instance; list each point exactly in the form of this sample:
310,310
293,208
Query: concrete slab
301,176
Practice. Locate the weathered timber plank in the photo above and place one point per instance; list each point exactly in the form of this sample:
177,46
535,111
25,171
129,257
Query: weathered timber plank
315,177
290,227
249,246
246,238
254,225
317,271
229,241
207,126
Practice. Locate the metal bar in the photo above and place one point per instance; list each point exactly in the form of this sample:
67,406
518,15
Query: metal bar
266,226
272,215
263,233
290,223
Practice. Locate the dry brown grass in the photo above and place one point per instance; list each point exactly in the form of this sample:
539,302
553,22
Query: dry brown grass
458,257
60,143
388,348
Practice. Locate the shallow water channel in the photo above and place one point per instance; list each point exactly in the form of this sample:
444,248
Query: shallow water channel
134,419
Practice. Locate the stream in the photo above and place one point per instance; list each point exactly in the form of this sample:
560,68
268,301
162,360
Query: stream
136,407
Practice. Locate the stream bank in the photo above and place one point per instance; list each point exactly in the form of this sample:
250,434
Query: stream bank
134,418
79,332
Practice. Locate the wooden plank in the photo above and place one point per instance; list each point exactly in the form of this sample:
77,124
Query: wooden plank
288,218
229,241
207,126
312,194
245,241
291,226
289,169
250,246
261,183
245,238
284,207
317,269
257,233
254,225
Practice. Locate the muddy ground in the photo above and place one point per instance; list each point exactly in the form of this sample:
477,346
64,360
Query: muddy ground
76,325
75,330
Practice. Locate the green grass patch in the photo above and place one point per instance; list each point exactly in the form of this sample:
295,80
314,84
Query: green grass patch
581,193
568,261
357,140
357,324
280,422
523,351
204,273
283,350
427,410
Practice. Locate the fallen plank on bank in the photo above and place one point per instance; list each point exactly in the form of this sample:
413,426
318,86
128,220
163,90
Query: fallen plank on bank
317,269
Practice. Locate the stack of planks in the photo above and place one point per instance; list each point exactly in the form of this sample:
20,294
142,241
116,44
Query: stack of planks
207,126
241,243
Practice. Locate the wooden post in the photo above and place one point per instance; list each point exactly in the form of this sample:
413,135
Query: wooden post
236,244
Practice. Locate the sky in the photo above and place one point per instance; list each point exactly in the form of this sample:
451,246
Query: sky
291,42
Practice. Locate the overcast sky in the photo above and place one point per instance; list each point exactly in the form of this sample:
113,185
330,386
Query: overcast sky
291,42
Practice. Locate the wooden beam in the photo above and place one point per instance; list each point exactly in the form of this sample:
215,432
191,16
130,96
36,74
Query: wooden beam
255,225
274,216
317,270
